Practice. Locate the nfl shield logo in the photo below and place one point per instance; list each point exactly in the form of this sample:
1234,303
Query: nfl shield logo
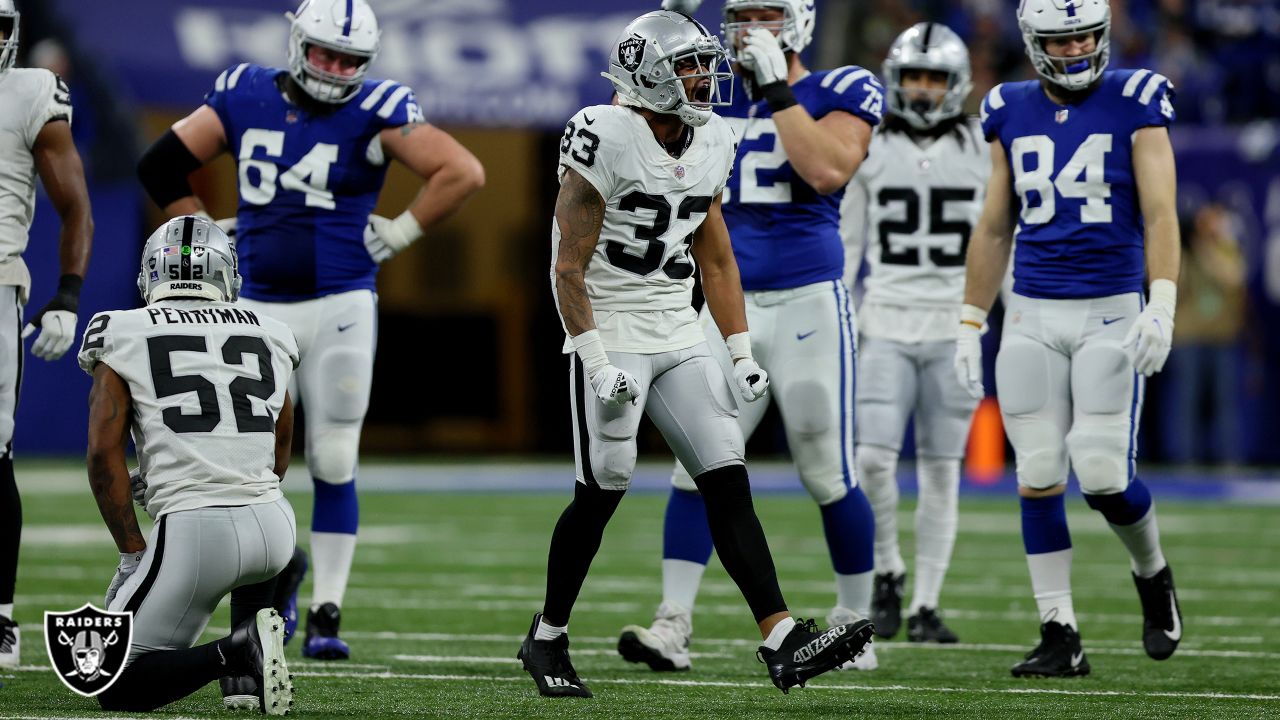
1061,116
679,172
88,646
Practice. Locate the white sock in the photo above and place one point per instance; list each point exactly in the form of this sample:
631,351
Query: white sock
1051,583
779,631
331,555
1143,542
680,582
854,592
7,610
549,632
936,514
877,474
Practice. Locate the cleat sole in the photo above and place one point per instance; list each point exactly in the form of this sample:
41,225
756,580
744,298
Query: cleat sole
633,650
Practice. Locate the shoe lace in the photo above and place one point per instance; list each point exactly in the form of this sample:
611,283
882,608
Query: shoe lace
560,663
810,625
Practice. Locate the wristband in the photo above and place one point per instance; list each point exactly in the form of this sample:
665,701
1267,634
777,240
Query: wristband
739,346
973,315
1164,294
778,95
591,350
407,226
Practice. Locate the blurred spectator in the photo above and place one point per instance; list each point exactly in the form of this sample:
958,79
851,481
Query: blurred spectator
1203,369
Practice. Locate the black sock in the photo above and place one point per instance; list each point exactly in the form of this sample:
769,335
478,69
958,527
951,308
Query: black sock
739,539
247,600
158,678
573,545
10,530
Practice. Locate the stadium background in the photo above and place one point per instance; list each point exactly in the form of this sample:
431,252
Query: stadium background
468,358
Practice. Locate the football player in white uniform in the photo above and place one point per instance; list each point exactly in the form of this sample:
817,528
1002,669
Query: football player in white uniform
1082,174
912,206
638,213
35,138
201,385
313,143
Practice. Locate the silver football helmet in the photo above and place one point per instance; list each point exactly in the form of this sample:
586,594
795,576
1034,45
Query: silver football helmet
643,66
189,257
928,46
345,26
9,17
795,31
1040,20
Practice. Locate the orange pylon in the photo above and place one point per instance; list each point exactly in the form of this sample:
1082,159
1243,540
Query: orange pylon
984,461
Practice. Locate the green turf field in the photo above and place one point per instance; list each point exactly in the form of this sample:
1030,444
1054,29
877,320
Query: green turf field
445,584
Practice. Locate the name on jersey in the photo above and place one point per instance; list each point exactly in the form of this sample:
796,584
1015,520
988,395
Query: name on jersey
203,316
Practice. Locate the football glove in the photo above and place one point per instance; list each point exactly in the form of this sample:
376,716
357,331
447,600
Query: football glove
56,320
751,379
614,386
1151,335
384,238
968,360
688,7
129,563
763,57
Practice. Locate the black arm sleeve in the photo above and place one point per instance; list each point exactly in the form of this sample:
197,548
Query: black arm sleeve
164,167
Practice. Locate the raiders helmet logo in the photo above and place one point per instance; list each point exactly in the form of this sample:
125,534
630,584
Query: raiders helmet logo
631,53
88,647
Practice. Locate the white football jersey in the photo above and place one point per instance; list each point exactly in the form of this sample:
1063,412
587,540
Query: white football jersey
207,380
29,98
912,205
640,279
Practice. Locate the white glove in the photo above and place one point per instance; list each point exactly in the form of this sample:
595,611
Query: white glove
614,386
763,57
228,226
968,361
384,238
688,7
57,332
129,563
1151,335
752,380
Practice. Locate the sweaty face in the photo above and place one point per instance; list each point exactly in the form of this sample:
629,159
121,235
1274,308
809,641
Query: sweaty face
333,62
923,89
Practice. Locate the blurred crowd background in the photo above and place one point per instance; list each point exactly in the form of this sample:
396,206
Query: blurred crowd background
503,76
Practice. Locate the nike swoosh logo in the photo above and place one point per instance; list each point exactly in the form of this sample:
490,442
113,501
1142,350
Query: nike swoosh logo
1076,658
1108,321
802,336
1176,633
588,120
344,328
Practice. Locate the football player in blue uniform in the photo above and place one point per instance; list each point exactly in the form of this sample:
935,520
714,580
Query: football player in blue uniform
1083,157
312,143
802,135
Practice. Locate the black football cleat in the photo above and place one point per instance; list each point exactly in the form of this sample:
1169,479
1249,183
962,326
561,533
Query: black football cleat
241,693
926,626
259,642
886,604
547,662
806,653
1161,617
322,642
1058,655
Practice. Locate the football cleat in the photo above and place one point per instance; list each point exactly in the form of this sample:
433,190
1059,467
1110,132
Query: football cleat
664,645
547,662
241,693
886,604
261,640
322,641
1161,617
867,660
926,626
10,642
1058,655
286,597
806,653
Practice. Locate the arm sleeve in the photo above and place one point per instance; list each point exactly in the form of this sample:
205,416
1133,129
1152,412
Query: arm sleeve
589,144
857,92
52,101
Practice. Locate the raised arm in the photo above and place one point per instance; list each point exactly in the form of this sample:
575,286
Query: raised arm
451,174
164,167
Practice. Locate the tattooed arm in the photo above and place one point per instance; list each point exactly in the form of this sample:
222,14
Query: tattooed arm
579,215
109,409
451,172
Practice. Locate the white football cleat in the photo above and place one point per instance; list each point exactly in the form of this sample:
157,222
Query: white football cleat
866,660
10,642
664,645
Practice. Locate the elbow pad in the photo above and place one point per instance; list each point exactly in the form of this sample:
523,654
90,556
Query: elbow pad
164,167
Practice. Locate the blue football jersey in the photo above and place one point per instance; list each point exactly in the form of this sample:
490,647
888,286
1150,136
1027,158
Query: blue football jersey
307,182
1079,232
784,233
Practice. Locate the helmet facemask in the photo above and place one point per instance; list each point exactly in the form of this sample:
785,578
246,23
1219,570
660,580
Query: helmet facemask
924,108
645,77
794,30
9,16
347,28
1070,73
